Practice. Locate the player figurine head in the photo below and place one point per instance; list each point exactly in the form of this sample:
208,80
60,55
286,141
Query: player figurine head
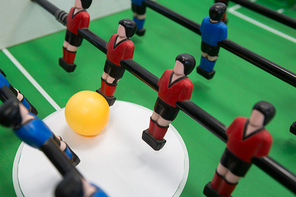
266,109
85,4
10,115
130,27
217,11
187,61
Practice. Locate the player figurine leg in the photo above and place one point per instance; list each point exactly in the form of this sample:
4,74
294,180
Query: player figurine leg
174,85
32,130
73,185
213,30
247,138
119,47
77,18
139,11
224,19
7,91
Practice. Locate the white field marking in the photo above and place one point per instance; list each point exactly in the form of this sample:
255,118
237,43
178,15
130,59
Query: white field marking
31,79
281,10
263,26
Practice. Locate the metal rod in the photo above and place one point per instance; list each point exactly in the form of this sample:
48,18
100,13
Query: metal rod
93,39
60,15
284,19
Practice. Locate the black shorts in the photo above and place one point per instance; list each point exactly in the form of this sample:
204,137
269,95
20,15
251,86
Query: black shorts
237,166
73,39
209,49
113,70
138,9
165,110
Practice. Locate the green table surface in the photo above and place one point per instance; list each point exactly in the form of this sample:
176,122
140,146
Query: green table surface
236,87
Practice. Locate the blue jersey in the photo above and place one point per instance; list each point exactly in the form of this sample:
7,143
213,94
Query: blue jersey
3,81
34,133
211,33
137,2
98,192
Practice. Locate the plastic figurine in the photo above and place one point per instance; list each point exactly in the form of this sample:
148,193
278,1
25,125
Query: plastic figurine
77,18
31,129
139,11
293,128
212,31
7,91
73,185
247,138
119,47
174,85
224,19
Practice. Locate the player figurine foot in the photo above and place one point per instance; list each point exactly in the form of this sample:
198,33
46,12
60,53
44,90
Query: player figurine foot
210,192
293,128
110,99
67,66
141,32
152,142
205,74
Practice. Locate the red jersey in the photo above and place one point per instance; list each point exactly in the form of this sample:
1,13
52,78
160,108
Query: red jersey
256,144
120,51
77,21
179,90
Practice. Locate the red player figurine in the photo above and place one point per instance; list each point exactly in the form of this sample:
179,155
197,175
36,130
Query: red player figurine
247,138
77,18
119,47
174,85
224,19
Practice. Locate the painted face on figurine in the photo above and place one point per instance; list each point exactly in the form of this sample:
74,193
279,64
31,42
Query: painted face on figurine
121,31
179,68
78,4
256,118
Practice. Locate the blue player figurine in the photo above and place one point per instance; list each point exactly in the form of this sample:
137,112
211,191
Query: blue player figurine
7,91
139,11
74,185
30,129
213,30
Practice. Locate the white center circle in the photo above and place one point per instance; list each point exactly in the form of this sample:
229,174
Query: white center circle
117,159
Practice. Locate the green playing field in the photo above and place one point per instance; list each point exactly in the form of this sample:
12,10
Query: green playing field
236,87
